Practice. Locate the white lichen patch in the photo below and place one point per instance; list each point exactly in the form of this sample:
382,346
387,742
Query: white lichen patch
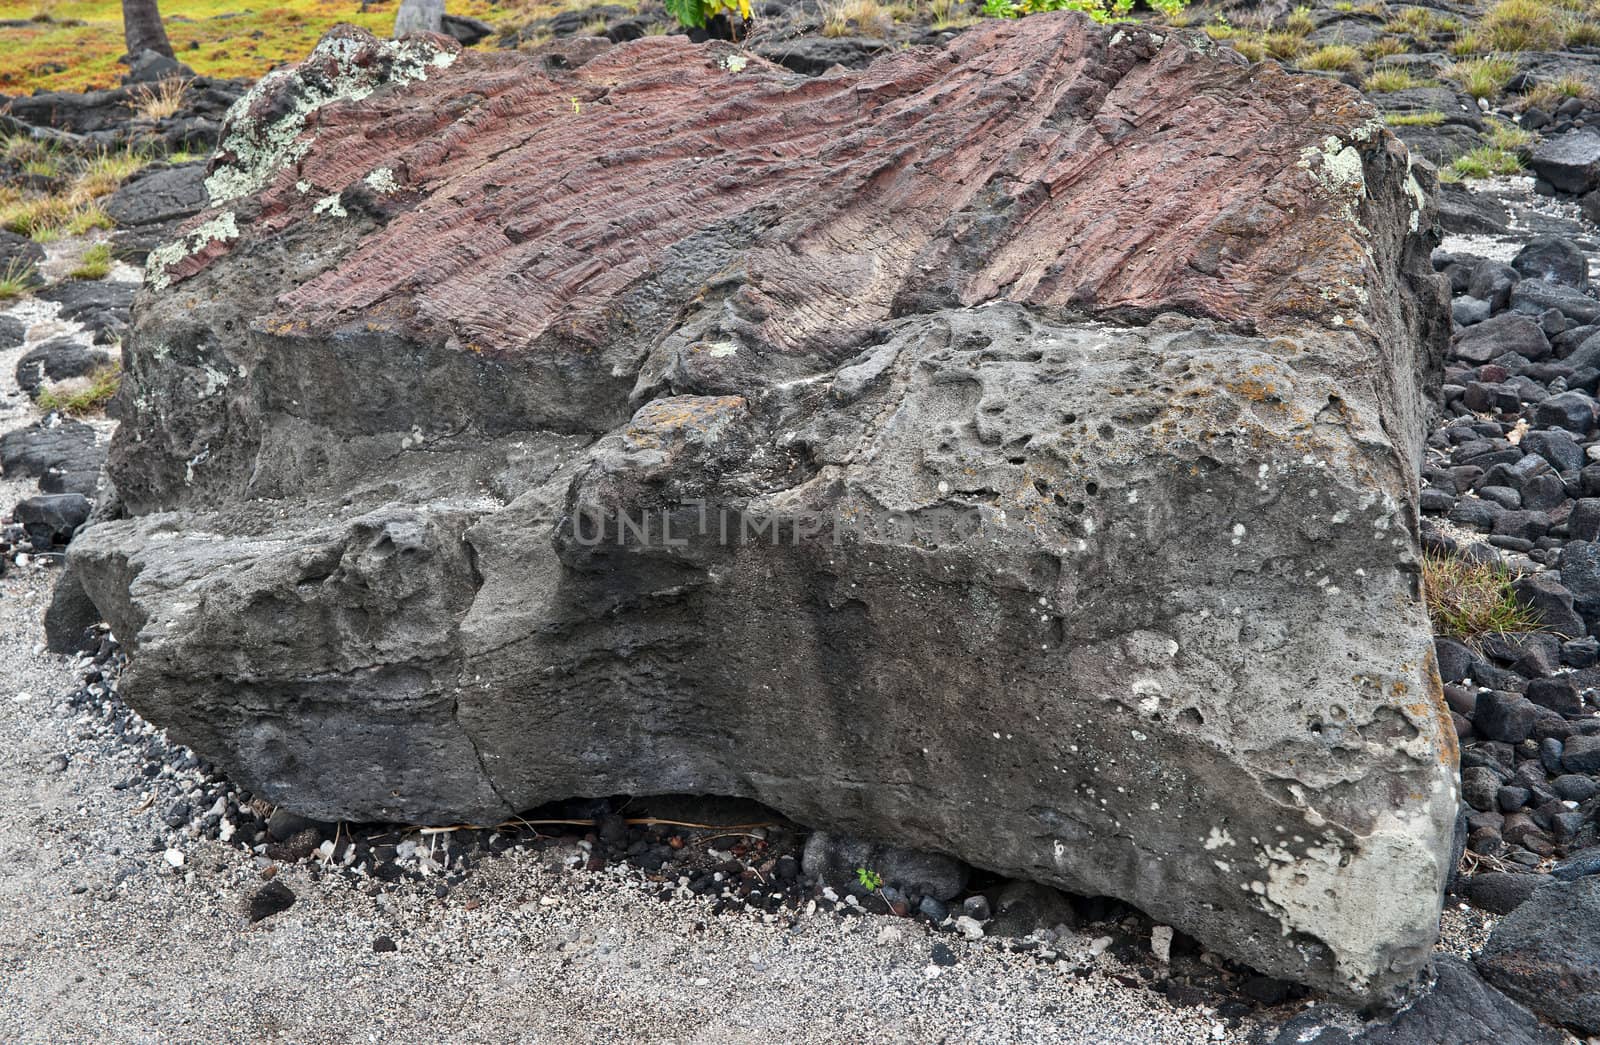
259,150
1419,199
382,181
221,228
1338,171
331,206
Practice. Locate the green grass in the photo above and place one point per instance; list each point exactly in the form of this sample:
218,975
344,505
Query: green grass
1485,162
16,279
1470,600
1420,22
81,396
1413,119
1300,21
1283,46
1581,33
1521,25
1333,58
1551,93
95,263
73,209
214,37
1384,46
1508,137
1393,79
1482,77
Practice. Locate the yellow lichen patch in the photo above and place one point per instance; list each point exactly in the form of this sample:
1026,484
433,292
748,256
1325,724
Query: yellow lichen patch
1256,391
688,419
1438,710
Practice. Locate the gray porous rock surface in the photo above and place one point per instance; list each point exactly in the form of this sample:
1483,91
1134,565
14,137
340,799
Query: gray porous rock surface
951,454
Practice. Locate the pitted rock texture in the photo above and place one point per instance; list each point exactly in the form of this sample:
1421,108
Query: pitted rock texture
679,424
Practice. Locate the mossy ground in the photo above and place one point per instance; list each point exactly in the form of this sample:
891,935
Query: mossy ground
73,45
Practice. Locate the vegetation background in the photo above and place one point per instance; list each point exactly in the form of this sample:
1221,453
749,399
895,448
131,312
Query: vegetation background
73,45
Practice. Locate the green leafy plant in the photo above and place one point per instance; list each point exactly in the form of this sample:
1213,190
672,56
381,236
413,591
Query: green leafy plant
869,878
1099,10
694,14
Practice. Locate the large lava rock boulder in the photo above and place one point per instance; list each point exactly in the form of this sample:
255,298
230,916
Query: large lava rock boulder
1008,451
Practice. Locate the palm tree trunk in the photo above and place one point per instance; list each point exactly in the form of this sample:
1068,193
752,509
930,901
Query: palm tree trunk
419,16
141,27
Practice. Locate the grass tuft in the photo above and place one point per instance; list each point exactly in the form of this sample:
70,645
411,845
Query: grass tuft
1470,600
1522,25
1393,79
1300,22
1333,58
1551,93
1482,77
161,100
95,263
1413,119
853,17
16,279
1383,47
84,395
1508,137
1282,46
1485,162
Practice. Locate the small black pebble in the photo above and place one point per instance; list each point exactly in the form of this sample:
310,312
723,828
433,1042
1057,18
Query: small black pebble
383,945
273,898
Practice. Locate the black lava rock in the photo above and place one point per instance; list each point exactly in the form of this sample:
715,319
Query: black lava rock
1546,954
272,898
50,520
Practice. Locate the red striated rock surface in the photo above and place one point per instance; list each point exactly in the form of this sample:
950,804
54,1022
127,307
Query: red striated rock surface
1120,171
